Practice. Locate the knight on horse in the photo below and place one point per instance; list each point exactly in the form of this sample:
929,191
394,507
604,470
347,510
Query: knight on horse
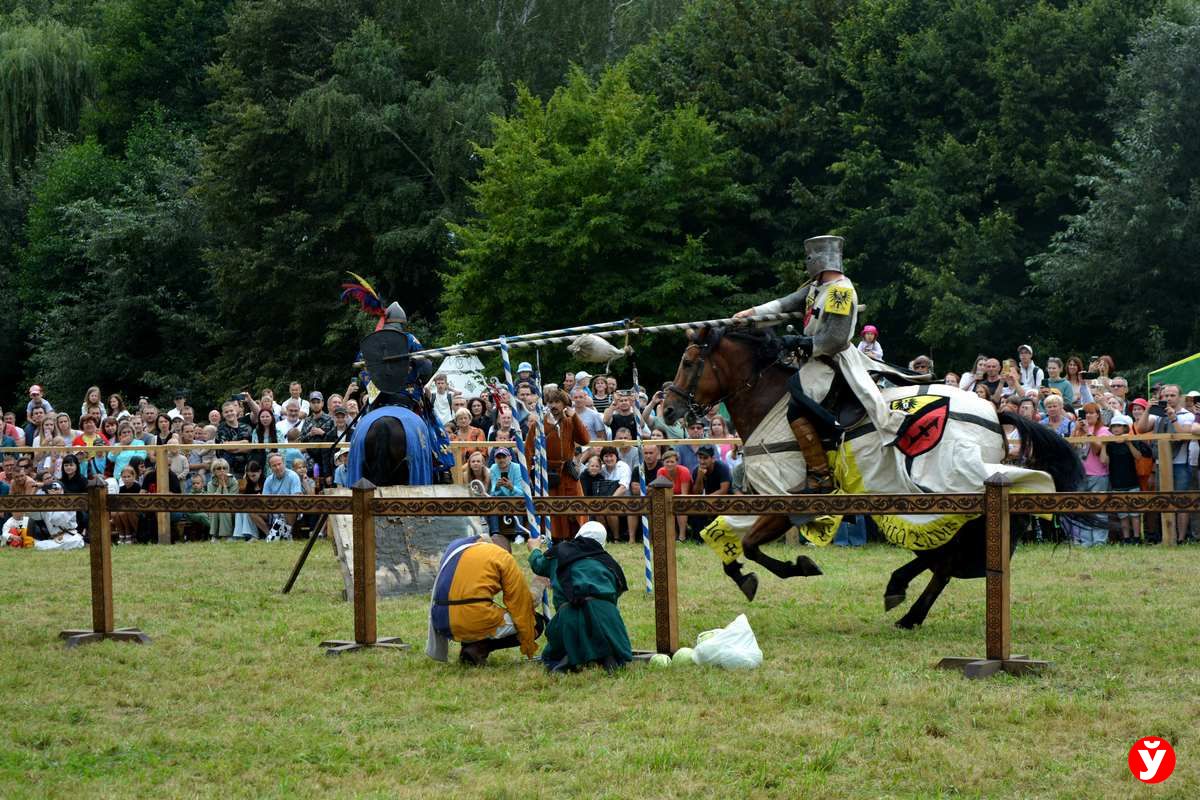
830,307
409,446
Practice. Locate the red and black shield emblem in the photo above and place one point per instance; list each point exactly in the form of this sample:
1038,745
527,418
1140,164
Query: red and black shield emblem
925,425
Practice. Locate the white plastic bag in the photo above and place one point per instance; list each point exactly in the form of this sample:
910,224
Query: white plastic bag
731,647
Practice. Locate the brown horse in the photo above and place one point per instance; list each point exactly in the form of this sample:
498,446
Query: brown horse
741,368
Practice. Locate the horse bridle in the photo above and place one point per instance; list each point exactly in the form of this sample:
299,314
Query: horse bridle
688,394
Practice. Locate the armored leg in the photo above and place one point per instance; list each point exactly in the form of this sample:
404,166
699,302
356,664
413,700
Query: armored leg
816,431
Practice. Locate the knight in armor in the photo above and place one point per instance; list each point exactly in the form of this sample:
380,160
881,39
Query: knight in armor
830,307
396,375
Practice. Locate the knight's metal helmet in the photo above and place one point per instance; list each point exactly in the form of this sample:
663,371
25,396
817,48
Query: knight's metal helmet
823,253
395,315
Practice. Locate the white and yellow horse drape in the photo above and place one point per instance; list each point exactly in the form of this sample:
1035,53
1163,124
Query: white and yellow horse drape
914,439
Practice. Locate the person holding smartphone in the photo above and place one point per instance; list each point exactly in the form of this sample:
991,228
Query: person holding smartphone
505,480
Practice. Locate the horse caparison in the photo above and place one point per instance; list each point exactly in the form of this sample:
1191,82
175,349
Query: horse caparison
741,368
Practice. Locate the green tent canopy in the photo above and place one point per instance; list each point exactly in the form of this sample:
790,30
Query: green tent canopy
1185,372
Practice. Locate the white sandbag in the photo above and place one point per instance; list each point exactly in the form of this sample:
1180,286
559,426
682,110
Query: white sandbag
69,541
731,647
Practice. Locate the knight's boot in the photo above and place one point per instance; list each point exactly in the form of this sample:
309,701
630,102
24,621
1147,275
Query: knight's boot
819,479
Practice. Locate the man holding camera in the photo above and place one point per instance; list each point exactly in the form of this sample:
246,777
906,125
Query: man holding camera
1167,415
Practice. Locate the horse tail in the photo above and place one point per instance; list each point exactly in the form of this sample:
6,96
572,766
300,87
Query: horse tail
380,438
1043,449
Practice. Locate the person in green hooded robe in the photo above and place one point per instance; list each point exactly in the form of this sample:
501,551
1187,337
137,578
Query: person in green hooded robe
587,627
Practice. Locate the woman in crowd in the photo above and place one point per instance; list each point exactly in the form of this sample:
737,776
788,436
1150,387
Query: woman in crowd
719,429
1056,418
967,381
116,407
982,391
62,422
1028,409
125,524
1083,395
73,482
1055,379
264,432
601,399
951,379
119,459
108,428
1103,367
474,468
162,430
45,432
93,404
479,414
247,527
461,430
94,462
1095,468
221,482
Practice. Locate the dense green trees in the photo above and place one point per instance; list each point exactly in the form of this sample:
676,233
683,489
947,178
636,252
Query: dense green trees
597,183
186,182
1131,252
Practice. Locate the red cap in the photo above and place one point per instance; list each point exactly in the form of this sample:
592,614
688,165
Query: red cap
1138,401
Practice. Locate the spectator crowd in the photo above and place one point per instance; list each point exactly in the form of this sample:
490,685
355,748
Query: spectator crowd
591,427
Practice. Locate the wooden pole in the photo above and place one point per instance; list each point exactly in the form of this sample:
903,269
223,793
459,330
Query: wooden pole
998,625
997,616
1166,483
308,546
365,636
364,562
666,599
100,560
162,478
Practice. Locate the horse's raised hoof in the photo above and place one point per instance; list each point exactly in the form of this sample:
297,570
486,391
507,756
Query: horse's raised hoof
749,586
806,567
890,601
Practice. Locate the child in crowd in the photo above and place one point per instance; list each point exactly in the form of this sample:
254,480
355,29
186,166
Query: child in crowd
682,480
869,346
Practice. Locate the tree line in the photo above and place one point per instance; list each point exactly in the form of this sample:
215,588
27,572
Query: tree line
183,186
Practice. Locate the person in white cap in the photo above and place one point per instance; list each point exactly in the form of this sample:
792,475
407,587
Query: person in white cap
586,628
1122,473
524,371
582,380
1031,374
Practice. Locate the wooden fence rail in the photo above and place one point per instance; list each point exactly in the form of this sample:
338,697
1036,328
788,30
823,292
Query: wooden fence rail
996,503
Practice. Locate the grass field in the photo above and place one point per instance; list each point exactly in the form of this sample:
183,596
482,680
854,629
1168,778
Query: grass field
235,699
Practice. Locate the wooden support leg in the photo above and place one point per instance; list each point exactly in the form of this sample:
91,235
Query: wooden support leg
998,632
100,559
364,579
662,543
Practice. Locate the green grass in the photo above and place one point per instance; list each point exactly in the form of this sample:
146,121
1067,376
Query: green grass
235,699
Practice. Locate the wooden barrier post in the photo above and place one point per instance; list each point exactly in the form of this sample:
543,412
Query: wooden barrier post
364,578
100,558
666,600
998,626
1166,483
162,480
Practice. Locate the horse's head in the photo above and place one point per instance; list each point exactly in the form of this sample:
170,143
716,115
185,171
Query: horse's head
705,377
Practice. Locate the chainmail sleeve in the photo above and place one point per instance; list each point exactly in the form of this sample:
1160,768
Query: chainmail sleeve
783,305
